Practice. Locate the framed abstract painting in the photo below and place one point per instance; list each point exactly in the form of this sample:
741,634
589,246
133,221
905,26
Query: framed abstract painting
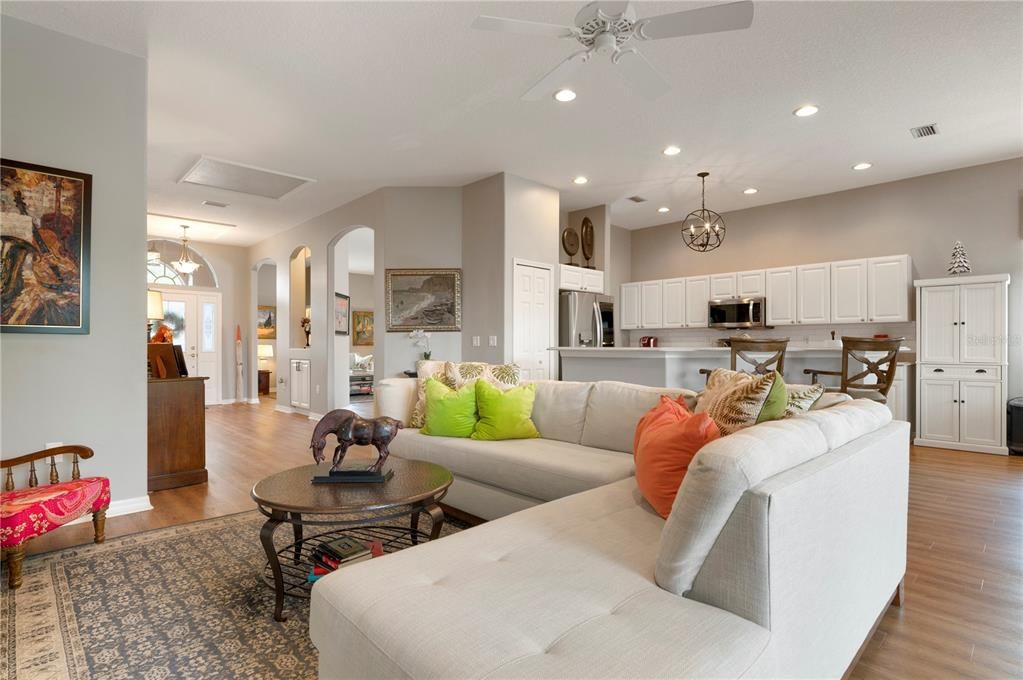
266,322
45,235
342,314
362,328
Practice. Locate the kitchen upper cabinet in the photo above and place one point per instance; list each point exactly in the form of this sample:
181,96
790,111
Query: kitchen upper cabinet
980,412
578,278
813,293
697,297
674,294
781,289
981,323
750,284
939,327
651,304
849,291
939,410
888,289
722,286
630,306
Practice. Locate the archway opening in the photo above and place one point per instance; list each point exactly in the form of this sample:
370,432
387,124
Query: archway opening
300,298
266,330
354,347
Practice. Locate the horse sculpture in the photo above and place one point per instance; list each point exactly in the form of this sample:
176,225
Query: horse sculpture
350,428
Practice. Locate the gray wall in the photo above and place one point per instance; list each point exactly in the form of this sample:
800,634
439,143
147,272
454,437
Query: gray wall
922,216
77,106
619,271
483,267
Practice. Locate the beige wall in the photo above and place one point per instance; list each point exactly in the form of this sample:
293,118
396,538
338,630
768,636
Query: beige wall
600,215
619,271
482,267
77,106
922,216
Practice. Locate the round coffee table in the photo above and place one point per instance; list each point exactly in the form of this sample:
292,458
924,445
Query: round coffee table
358,510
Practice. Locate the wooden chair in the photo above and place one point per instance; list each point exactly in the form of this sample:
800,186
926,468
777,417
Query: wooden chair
59,502
740,347
882,369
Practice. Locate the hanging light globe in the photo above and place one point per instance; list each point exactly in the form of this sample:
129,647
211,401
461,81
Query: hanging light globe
703,230
185,264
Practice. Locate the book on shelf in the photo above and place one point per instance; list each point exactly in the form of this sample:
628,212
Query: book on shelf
331,555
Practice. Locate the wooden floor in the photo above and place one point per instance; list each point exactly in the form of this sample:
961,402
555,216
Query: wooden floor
963,612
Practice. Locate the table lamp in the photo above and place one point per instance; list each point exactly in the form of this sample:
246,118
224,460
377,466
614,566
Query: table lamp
265,352
154,310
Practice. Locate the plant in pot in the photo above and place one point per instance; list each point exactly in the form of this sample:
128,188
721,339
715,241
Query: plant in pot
421,338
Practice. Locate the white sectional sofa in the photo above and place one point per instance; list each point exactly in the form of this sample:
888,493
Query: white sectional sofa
785,544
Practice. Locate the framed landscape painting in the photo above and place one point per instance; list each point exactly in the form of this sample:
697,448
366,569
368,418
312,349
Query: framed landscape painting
362,328
430,299
342,316
44,234
266,322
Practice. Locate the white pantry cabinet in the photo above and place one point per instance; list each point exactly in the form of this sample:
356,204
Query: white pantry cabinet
963,359
813,293
782,298
674,295
723,286
581,279
697,297
629,301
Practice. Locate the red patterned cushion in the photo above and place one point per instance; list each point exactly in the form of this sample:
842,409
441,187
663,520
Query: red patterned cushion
27,513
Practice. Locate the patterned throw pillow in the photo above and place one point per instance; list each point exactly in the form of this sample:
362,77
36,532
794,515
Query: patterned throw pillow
426,369
502,376
802,398
737,400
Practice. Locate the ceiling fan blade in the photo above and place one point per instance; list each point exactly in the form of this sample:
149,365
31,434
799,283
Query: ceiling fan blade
640,74
502,25
556,78
731,16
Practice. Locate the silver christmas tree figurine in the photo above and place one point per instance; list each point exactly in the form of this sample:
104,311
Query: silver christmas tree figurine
960,263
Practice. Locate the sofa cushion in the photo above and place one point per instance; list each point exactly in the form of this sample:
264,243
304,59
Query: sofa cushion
504,415
31,512
538,468
725,469
559,410
449,413
802,398
614,409
737,400
425,369
503,376
475,599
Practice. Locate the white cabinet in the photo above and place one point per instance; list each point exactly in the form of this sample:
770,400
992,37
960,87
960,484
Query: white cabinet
981,324
780,287
697,297
674,294
849,291
300,383
722,286
938,420
962,335
897,402
651,305
750,284
888,289
813,293
629,306
581,279
938,329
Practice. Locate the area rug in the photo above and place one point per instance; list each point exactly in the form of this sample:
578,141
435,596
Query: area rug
182,602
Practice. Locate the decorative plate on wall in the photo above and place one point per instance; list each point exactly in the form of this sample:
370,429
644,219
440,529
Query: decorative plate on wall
570,242
587,240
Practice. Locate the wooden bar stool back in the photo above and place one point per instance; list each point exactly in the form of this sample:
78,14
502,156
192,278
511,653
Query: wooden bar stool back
742,348
855,352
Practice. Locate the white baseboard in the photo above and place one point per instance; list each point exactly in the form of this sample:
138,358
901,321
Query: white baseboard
253,401
125,506
315,416
956,446
283,409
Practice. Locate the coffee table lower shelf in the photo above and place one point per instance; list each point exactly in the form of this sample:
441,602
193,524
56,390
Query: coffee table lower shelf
296,559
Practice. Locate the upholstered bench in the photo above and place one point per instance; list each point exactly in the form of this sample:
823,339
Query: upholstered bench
37,510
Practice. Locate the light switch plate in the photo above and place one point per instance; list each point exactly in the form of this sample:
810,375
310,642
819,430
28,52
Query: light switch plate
493,341
475,341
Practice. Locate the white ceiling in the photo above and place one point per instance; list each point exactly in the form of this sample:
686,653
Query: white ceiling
364,95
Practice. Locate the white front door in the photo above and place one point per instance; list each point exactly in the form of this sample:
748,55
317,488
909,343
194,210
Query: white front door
194,317
531,299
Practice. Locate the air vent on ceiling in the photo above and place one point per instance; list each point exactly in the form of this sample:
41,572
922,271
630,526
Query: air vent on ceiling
244,179
215,204
924,131
637,199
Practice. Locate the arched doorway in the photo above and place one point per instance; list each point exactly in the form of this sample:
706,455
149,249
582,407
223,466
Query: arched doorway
352,356
266,330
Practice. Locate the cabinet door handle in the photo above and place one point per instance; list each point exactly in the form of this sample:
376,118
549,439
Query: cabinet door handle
962,323
980,370
955,401
961,401
939,370
955,323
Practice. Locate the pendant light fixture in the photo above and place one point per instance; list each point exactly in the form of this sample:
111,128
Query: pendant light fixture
703,230
185,264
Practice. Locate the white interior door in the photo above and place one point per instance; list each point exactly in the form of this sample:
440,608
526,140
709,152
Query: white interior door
194,317
531,300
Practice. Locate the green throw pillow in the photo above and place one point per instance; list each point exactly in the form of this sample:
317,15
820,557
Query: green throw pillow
505,415
777,401
449,413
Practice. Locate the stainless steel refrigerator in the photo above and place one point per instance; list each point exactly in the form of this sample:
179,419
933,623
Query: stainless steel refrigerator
585,320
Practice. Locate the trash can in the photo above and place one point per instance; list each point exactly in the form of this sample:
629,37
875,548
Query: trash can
1014,426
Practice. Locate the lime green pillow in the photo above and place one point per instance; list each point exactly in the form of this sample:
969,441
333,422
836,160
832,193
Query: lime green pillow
449,413
777,401
504,415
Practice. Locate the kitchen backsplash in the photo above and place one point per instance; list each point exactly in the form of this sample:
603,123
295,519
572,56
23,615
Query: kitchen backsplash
798,335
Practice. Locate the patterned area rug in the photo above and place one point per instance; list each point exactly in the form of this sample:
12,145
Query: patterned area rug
181,602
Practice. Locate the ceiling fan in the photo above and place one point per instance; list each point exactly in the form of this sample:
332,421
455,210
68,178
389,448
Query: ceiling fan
605,28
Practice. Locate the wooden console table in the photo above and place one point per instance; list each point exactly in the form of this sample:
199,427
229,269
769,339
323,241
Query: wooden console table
177,432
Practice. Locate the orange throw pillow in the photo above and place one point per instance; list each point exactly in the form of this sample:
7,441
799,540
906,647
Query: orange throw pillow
664,450
669,409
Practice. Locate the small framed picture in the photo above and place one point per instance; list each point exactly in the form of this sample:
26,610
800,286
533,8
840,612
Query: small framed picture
342,314
362,328
266,322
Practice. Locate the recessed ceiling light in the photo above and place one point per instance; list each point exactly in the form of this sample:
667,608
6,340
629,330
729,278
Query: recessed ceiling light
564,95
751,190
580,180
671,150
663,209
806,110
861,166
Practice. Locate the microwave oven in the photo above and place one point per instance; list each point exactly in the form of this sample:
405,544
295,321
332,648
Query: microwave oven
738,312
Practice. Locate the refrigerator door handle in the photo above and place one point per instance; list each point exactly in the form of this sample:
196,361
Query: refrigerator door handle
598,325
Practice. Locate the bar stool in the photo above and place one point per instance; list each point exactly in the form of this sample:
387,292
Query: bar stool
882,369
741,347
